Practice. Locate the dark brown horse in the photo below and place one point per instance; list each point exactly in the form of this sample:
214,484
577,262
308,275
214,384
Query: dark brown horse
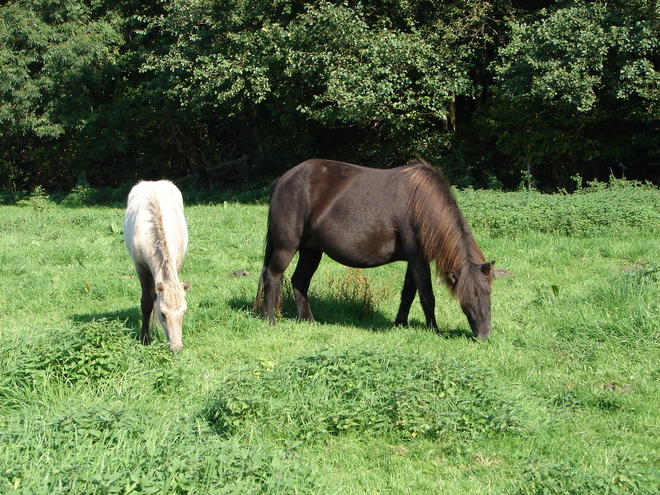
364,217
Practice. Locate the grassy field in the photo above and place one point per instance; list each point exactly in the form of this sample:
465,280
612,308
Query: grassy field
562,399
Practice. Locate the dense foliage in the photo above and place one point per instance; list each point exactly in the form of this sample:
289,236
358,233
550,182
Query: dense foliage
227,92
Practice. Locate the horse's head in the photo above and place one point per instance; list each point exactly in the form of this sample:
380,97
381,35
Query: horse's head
472,285
169,308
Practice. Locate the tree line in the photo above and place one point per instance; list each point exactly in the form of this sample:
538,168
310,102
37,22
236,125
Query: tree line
225,93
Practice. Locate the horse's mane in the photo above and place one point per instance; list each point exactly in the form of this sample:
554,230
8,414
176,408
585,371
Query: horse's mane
443,231
174,294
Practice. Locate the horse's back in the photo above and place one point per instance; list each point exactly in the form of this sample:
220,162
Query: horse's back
154,206
311,188
146,193
351,212
330,172
319,180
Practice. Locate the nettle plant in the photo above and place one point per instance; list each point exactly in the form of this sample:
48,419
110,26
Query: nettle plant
328,393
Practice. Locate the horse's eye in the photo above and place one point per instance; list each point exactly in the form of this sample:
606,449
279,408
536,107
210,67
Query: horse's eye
162,316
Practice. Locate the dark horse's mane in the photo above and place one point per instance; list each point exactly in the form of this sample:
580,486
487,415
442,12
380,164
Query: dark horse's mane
443,231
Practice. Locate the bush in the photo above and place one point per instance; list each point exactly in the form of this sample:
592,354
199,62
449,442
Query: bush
542,477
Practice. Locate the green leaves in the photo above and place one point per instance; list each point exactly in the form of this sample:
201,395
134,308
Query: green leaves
365,392
558,59
108,449
51,62
191,89
570,56
617,207
330,62
543,477
373,75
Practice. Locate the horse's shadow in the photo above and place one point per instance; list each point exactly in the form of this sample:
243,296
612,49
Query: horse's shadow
327,312
340,312
132,318
456,333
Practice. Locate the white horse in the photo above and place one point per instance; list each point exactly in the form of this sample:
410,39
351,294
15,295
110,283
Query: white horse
156,236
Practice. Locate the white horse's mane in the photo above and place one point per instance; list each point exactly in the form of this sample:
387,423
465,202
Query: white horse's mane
174,294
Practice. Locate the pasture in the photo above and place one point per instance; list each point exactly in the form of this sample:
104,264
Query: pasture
562,398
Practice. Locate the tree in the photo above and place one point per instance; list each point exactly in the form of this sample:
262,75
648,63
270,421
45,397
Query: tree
576,90
361,81
228,92
55,61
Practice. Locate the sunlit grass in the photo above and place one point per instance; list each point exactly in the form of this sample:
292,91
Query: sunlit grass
574,357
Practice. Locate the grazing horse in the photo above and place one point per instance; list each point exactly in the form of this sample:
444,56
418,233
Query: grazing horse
364,217
156,236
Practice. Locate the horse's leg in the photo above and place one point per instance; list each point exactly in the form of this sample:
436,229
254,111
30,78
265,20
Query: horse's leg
272,280
421,275
308,262
147,301
407,296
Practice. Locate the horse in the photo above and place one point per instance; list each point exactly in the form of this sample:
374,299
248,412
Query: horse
365,217
156,237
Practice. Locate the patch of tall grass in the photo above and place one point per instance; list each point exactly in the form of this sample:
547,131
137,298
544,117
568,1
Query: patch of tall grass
617,207
365,391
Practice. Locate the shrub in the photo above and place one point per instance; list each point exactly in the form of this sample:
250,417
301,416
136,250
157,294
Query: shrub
90,353
38,200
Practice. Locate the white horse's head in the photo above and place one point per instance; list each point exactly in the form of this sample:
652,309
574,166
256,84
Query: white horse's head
169,308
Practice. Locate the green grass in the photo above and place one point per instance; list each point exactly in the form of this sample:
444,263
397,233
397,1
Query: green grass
561,399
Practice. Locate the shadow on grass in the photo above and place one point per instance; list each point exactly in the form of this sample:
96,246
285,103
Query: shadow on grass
457,333
132,318
333,311
329,312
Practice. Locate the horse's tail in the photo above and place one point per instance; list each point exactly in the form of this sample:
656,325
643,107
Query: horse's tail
270,248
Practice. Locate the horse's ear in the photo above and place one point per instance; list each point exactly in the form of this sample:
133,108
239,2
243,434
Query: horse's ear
487,267
452,276
186,286
159,288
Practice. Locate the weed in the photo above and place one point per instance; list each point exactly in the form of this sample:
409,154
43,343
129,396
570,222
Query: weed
80,195
352,288
578,400
367,392
105,449
94,351
597,210
90,353
543,477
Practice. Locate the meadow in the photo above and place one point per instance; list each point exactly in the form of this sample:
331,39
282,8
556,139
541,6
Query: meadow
562,399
